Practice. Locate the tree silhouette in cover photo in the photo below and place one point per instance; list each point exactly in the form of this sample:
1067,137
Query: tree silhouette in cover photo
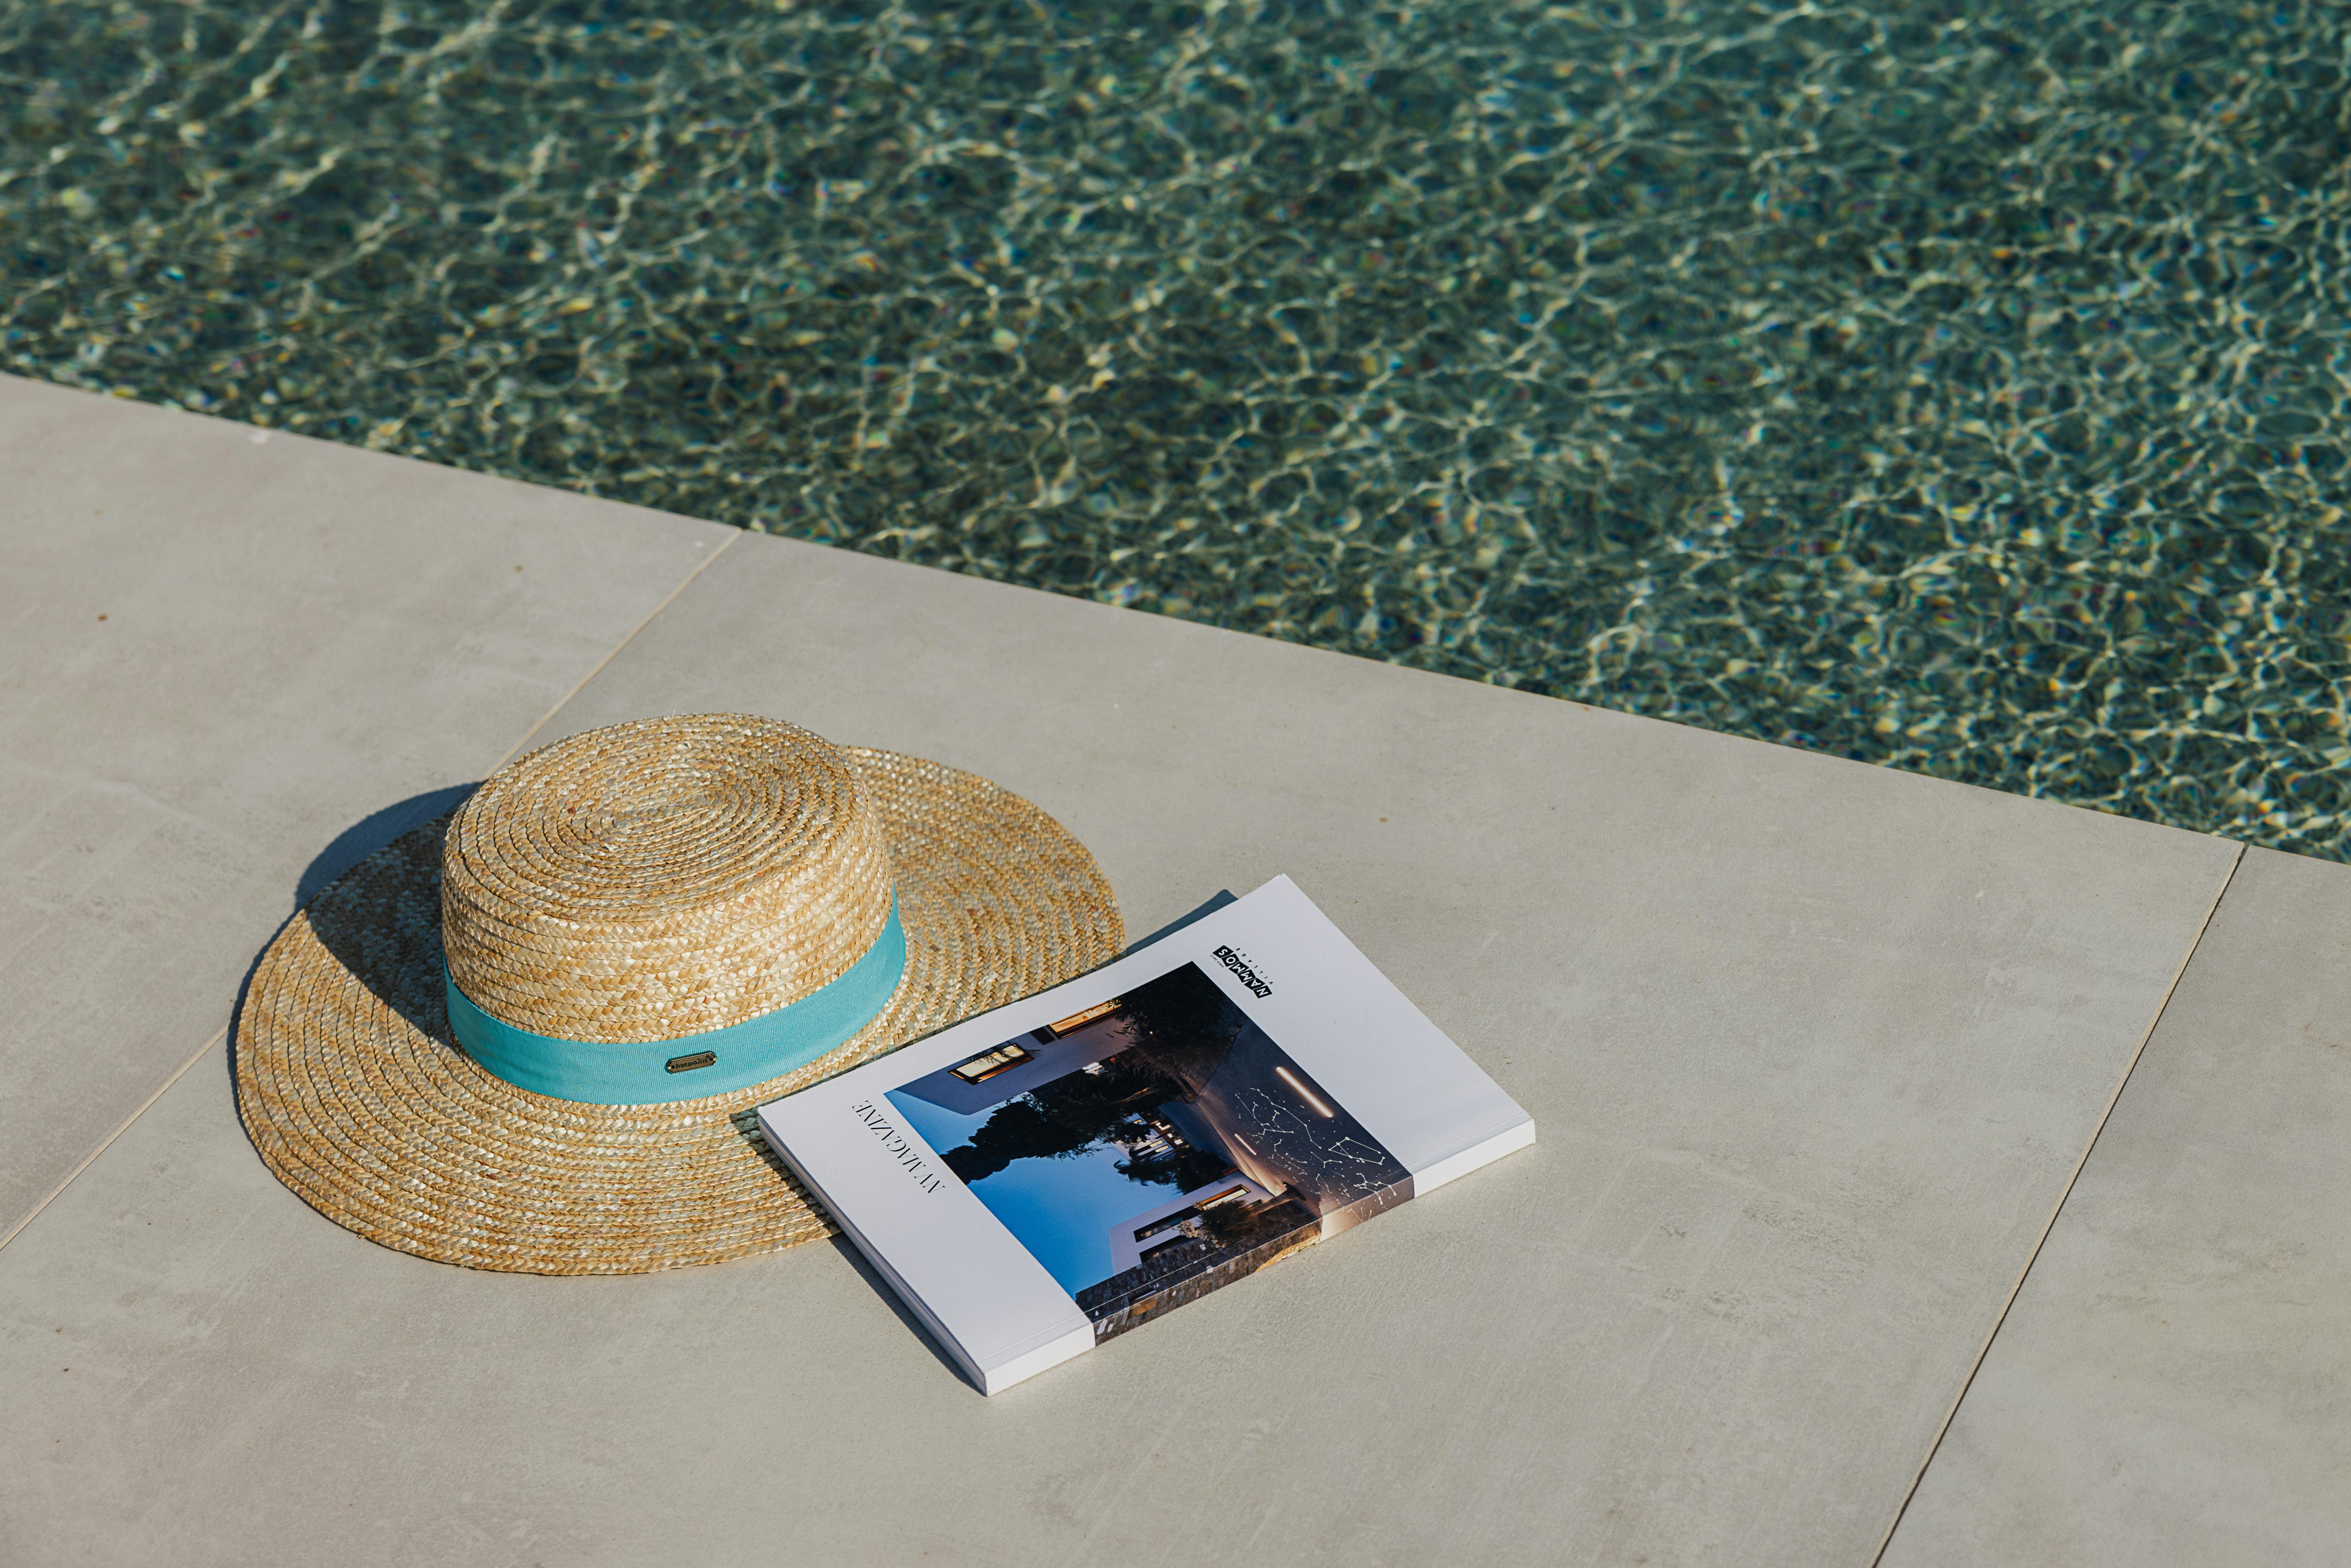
1180,1028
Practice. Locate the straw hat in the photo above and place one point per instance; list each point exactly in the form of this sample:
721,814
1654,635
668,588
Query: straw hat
530,1036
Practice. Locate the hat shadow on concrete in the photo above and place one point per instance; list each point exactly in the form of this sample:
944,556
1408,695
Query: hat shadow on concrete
374,831
346,850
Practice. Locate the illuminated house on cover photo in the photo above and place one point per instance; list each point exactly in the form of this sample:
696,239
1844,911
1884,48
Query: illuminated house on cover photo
1152,1148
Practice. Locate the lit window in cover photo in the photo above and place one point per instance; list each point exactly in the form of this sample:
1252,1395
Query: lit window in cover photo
981,1068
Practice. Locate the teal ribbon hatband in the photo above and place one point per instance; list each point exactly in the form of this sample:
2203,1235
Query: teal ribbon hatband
741,1055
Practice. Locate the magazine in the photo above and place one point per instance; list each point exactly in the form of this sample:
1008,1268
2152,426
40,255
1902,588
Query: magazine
1041,1179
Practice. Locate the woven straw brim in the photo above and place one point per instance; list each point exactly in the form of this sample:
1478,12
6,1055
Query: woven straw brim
357,1097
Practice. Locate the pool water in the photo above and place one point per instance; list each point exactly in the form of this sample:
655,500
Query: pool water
1956,386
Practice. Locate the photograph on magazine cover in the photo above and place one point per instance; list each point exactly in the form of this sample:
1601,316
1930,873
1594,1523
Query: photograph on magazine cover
1153,1147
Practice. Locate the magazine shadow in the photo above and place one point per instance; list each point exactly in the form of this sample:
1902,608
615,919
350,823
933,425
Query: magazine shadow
890,1298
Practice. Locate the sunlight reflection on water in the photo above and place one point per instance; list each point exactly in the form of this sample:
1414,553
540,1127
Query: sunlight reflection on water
1957,388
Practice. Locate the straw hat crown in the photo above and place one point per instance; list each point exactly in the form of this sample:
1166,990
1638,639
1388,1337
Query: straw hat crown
661,878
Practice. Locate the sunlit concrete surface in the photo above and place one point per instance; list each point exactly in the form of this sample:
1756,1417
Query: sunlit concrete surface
1814,1048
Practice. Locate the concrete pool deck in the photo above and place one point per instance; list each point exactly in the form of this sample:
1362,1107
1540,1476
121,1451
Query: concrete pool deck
1817,1051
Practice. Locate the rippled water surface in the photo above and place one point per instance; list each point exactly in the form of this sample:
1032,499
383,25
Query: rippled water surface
1958,386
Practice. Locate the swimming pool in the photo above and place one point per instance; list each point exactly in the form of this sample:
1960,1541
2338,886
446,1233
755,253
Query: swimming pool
1958,387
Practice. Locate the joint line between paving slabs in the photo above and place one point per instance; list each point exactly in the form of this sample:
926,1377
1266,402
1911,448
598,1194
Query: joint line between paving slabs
2089,1148
699,568
561,703
202,1051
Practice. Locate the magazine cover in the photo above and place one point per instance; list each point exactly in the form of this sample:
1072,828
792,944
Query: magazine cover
1047,1176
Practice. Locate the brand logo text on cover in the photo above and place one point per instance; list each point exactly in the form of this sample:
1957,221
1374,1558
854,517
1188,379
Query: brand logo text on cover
896,1142
1239,966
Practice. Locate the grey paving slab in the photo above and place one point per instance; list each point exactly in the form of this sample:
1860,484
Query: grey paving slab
2173,1384
221,651
1815,1050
